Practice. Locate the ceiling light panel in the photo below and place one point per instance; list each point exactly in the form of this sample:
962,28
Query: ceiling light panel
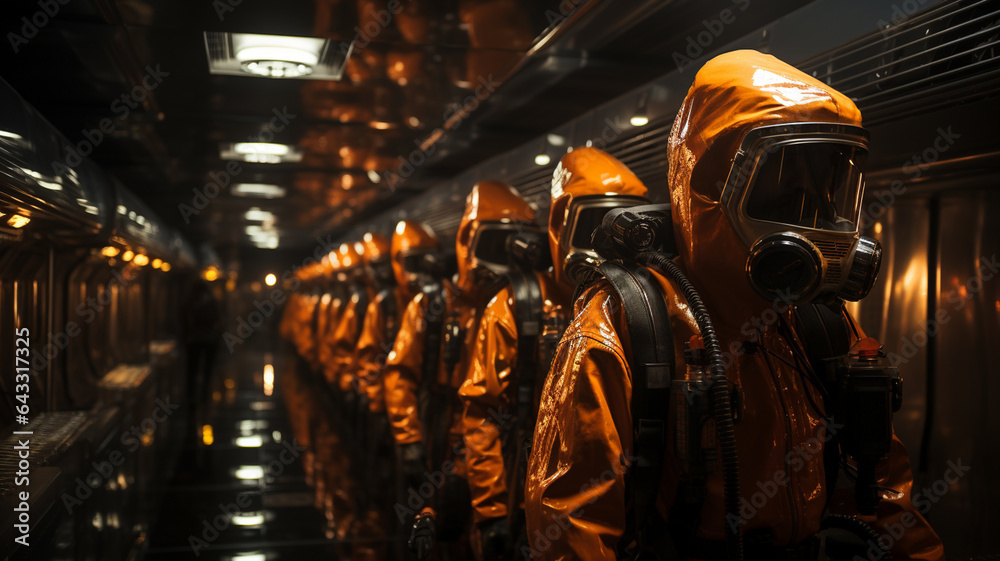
260,152
259,190
276,56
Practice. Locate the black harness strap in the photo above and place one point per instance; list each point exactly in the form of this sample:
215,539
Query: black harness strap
528,309
360,311
390,313
651,361
434,316
824,334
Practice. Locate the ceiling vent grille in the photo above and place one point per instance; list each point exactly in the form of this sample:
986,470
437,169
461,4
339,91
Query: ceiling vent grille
940,56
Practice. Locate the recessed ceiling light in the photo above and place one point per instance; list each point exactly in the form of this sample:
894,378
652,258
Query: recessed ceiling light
261,148
639,120
262,190
257,214
276,56
260,152
249,441
18,221
249,472
248,519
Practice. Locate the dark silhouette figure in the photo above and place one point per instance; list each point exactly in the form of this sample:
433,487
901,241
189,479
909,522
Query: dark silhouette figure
202,332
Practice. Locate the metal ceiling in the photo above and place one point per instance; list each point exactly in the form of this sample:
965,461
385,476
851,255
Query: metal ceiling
435,87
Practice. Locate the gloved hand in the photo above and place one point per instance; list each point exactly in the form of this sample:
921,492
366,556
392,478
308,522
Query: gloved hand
422,536
414,463
496,540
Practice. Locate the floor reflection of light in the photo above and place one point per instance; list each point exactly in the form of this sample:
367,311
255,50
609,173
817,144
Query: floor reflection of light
250,425
249,472
249,557
254,441
268,379
262,405
248,519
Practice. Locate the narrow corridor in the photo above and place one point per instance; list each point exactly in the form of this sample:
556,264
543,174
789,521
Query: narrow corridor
240,490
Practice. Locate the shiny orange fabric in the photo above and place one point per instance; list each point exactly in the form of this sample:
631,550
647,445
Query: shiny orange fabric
404,369
340,368
489,201
375,246
373,349
327,322
497,29
489,396
584,429
409,236
584,172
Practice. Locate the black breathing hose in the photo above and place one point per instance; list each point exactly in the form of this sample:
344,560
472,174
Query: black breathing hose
859,528
721,409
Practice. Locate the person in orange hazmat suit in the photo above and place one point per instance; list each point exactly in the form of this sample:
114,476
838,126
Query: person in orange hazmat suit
499,421
430,360
765,184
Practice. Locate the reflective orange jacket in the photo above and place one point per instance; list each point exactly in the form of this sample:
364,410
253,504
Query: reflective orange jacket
404,371
343,339
373,349
489,399
576,500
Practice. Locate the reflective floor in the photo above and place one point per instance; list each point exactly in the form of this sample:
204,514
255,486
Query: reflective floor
240,491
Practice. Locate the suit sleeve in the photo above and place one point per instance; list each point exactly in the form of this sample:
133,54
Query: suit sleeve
343,345
575,493
369,355
402,375
486,403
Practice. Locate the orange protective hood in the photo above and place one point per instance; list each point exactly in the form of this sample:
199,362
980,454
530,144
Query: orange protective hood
409,236
732,94
376,247
489,201
349,256
584,172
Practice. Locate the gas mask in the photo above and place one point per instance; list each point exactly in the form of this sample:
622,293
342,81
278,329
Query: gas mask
793,196
381,274
422,270
489,253
585,216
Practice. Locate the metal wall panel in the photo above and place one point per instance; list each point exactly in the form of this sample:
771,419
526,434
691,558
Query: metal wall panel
966,416
896,308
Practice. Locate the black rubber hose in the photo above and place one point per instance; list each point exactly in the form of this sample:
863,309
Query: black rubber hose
859,528
721,409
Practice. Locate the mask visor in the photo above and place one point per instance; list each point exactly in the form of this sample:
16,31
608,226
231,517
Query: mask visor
809,185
